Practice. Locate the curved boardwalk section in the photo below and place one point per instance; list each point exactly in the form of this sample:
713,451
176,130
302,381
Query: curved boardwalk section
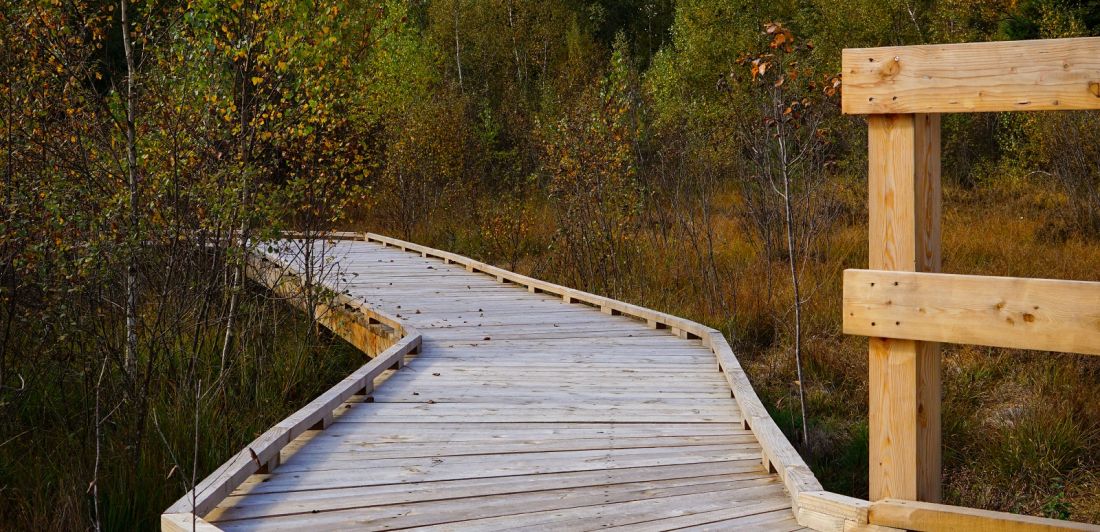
522,410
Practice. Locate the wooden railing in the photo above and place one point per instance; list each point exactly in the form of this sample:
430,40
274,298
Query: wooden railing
902,302
368,329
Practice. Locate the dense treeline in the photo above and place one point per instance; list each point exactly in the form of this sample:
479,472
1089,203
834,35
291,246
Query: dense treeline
688,156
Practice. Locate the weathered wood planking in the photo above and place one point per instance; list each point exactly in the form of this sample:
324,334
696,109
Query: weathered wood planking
777,450
1051,75
1044,314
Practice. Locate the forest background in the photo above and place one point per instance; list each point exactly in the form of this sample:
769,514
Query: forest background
687,156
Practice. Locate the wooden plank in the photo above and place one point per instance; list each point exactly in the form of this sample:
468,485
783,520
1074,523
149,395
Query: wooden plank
735,517
428,471
597,517
256,505
776,520
914,515
1052,75
341,459
904,376
411,431
372,450
417,514
441,413
1012,312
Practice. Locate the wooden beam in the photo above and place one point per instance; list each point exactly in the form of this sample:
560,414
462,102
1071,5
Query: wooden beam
1054,74
904,375
1045,314
913,515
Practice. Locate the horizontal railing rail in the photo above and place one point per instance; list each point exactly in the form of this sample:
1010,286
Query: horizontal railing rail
1033,75
1020,313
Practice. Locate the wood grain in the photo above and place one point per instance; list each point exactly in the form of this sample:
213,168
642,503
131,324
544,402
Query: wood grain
904,376
914,515
1052,75
1044,314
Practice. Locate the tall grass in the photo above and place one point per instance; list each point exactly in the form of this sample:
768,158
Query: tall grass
48,444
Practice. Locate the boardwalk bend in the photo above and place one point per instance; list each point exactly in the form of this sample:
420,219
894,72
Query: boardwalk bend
517,404
496,402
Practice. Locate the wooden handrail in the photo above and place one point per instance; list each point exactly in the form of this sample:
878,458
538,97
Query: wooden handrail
824,510
902,303
1018,313
1037,75
927,516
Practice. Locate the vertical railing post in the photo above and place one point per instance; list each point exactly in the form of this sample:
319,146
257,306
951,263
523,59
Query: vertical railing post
904,376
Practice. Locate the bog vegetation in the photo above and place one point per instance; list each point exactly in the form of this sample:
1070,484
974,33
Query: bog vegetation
684,155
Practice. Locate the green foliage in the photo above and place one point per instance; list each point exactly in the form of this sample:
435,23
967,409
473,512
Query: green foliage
1049,19
592,167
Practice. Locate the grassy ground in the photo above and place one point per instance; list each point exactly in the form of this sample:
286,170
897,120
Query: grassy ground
1021,429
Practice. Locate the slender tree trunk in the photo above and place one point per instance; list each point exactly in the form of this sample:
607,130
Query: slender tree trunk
788,213
132,181
246,137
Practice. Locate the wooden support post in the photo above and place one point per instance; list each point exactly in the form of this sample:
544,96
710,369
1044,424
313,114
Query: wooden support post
323,423
270,465
904,375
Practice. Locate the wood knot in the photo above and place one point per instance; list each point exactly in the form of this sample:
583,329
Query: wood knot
1029,317
890,69
1094,88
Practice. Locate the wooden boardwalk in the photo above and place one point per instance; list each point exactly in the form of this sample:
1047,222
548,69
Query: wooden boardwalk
521,410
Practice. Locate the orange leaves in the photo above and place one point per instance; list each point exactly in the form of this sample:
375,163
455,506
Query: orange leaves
759,67
832,86
782,37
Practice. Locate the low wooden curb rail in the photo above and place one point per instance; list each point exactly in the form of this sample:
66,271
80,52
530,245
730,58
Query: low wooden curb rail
348,317
825,510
